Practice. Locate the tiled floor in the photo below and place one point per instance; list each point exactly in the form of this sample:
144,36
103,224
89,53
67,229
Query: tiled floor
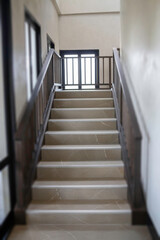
50,232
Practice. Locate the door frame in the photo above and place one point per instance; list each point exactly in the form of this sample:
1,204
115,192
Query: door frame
79,52
5,14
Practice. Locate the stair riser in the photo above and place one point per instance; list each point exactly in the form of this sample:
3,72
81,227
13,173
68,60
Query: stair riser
75,139
82,103
51,194
82,114
79,218
82,125
80,154
48,173
83,94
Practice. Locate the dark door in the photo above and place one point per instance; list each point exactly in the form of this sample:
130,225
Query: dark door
80,69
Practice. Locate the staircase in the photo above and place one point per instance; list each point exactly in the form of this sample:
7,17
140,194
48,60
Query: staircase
80,178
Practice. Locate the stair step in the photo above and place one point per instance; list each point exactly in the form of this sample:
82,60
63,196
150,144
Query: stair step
80,113
84,94
81,152
81,137
83,103
80,170
79,190
66,212
82,124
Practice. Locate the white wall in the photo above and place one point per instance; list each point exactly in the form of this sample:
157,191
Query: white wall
90,31
46,15
141,60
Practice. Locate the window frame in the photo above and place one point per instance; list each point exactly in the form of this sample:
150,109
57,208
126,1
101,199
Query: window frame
79,53
35,25
9,97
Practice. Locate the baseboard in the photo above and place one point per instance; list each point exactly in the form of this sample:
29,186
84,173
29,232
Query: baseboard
19,215
152,229
139,216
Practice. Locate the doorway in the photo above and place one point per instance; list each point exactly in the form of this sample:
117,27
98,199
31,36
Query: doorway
80,69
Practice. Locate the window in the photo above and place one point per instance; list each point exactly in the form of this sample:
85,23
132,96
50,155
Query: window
50,43
33,56
80,69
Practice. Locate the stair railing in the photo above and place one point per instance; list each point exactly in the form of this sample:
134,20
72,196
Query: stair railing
30,132
130,138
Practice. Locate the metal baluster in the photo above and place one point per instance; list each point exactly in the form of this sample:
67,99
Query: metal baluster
91,69
110,73
103,70
85,71
73,71
66,71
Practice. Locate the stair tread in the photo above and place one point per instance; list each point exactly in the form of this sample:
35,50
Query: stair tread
82,164
80,183
82,99
72,147
83,132
80,206
80,91
83,109
83,120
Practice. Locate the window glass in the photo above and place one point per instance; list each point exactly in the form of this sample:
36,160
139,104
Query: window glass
32,32
33,57
3,137
5,206
27,60
88,70
71,71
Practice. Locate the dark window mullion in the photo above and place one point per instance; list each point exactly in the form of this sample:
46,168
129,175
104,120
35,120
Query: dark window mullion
4,162
30,55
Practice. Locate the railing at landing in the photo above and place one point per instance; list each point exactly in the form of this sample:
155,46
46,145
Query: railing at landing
87,72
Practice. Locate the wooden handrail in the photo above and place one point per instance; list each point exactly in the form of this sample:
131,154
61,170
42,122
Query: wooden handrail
126,93
130,139
30,133
30,104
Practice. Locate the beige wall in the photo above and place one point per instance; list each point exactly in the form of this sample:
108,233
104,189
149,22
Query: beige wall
88,6
45,14
141,60
90,31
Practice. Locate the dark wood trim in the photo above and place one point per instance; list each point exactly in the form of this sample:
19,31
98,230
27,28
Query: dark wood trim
79,52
